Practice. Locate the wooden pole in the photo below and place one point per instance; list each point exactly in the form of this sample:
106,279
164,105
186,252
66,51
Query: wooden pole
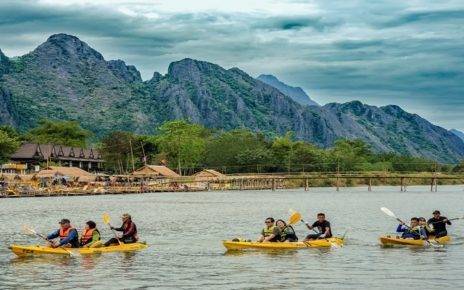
306,184
144,156
369,188
273,184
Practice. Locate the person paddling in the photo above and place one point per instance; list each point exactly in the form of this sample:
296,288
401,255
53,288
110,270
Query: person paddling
287,233
270,232
68,235
324,230
438,223
423,224
128,229
414,231
90,235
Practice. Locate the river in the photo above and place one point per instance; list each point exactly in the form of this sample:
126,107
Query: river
184,231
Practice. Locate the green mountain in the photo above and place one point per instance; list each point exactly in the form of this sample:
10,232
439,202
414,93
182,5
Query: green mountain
64,78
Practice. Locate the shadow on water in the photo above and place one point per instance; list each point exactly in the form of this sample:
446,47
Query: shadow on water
86,261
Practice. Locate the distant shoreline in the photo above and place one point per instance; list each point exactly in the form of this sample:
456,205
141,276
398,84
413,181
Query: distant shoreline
247,182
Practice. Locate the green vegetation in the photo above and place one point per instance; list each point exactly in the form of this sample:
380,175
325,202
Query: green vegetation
182,142
189,147
9,142
68,133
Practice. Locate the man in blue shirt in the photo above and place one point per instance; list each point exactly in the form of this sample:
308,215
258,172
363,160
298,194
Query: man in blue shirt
414,231
68,235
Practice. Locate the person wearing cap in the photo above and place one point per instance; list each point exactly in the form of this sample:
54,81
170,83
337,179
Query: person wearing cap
438,224
90,235
128,229
68,235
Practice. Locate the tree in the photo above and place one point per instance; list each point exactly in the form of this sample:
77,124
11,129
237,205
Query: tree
282,149
67,133
8,145
116,151
459,168
183,142
237,149
350,154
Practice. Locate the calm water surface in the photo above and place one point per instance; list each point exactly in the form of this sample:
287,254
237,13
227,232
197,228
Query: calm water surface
185,232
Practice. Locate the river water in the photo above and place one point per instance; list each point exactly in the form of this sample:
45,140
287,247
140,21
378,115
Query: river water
185,230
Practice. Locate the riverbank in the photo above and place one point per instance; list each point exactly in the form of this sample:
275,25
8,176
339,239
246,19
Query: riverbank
238,182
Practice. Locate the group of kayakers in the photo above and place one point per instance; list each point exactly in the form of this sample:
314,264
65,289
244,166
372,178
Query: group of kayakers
280,231
90,236
420,228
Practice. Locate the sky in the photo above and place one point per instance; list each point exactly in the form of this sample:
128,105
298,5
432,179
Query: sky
407,53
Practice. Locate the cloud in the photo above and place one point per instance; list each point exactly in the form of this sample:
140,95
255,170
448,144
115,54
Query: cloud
381,52
425,17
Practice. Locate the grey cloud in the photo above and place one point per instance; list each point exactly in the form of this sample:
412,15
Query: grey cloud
294,23
424,17
343,52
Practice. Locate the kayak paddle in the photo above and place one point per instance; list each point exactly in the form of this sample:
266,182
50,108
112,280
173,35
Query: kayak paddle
107,220
294,217
33,232
453,219
391,214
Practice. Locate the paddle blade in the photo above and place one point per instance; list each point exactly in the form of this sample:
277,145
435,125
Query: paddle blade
28,230
388,212
106,218
294,218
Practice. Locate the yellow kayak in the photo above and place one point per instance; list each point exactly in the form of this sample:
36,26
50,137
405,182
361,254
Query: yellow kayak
22,251
396,240
322,243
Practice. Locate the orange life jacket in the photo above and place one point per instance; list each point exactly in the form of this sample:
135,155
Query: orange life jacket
65,232
86,235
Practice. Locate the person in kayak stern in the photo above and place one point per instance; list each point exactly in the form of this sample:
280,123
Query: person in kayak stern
438,224
68,235
270,232
128,229
322,225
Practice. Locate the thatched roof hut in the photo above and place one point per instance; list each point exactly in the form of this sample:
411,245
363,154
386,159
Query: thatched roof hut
73,173
155,171
209,174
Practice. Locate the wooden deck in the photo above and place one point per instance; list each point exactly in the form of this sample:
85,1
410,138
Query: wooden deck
250,182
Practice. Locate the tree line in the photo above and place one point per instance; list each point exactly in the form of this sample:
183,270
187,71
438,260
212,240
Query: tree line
188,147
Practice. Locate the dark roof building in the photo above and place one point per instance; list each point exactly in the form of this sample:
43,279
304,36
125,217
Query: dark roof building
33,154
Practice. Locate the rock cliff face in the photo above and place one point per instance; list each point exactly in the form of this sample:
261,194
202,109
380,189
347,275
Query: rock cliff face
64,78
458,133
296,93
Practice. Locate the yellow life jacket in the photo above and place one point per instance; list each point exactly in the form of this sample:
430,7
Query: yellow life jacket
268,231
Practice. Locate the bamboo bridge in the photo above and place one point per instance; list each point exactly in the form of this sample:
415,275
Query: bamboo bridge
273,182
